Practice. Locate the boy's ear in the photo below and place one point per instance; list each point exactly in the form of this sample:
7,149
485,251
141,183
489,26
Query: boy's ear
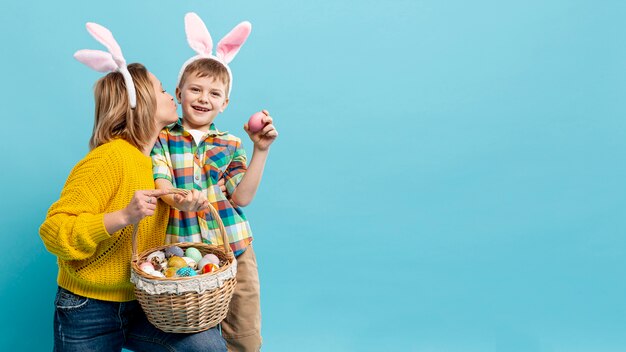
224,105
178,95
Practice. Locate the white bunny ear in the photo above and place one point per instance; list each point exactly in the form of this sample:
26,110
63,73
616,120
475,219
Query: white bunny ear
229,46
98,60
105,37
104,62
198,35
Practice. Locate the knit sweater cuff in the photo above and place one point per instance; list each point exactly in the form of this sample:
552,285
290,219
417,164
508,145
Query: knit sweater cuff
95,226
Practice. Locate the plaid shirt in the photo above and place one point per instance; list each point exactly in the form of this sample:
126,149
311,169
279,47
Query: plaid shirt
177,158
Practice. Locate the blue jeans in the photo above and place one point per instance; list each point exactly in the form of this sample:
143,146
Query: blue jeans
87,324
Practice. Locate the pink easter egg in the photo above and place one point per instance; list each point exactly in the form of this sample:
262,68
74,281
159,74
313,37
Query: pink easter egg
212,258
146,267
256,122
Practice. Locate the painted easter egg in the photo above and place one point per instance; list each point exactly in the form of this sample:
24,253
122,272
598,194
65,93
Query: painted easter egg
157,274
209,268
158,266
171,272
203,262
209,258
174,251
176,262
186,271
213,258
158,257
193,254
146,267
256,122
190,262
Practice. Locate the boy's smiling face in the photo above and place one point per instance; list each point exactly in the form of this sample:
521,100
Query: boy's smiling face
201,99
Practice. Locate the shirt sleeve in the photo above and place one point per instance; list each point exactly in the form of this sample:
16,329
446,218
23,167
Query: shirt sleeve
161,167
74,225
236,169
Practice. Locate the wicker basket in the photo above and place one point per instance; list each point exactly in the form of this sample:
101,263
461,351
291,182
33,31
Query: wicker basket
187,304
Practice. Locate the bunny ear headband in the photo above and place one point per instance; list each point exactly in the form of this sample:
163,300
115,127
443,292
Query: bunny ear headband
200,41
107,62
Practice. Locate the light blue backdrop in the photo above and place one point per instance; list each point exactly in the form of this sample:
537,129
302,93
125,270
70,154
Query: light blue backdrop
448,177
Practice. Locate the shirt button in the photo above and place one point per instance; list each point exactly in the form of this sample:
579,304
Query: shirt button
197,177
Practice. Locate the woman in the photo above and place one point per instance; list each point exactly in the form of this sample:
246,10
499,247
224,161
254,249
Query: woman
89,228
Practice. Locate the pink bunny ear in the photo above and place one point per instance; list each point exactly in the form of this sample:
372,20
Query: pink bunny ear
229,46
98,60
105,37
198,36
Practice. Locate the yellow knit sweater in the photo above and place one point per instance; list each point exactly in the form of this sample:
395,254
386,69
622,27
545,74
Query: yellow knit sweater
92,262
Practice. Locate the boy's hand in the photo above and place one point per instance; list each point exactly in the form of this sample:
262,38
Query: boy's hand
222,183
194,201
263,138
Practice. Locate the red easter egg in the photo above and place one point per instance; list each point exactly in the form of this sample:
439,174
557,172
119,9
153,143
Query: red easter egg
209,268
256,122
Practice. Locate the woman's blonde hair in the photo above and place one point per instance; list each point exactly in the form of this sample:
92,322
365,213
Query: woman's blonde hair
114,118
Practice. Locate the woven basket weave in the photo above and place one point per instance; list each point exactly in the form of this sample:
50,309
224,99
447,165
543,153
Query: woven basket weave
187,304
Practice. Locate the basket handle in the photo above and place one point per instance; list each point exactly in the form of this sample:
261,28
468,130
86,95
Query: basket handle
220,223
215,215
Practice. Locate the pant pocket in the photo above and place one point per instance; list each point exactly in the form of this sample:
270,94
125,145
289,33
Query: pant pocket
66,300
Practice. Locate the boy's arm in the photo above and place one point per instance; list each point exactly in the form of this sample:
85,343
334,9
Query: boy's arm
163,174
194,201
246,189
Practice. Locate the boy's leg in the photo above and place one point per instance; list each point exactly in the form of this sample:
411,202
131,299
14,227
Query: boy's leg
242,327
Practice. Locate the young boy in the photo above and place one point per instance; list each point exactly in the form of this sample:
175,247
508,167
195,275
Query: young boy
193,154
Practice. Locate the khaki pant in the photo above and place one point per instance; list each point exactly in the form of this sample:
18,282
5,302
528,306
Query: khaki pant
242,327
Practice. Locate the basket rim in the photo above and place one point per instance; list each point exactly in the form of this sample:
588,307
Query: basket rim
135,261
199,284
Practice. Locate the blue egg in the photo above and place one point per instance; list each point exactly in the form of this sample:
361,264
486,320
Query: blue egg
186,271
174,251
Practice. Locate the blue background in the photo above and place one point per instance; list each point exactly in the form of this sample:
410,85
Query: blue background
448,177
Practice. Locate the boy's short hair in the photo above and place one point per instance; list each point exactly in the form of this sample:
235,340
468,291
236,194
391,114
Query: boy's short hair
206,68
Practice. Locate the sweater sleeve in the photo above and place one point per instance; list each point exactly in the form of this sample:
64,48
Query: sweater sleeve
74,225
161,168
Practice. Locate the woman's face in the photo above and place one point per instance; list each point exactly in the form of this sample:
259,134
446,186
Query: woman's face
165,106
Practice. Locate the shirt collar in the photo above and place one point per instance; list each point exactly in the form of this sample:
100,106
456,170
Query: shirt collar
213,131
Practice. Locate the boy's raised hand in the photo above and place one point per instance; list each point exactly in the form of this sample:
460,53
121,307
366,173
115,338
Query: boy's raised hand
265,137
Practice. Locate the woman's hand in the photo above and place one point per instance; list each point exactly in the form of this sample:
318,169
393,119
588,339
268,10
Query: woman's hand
142,204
